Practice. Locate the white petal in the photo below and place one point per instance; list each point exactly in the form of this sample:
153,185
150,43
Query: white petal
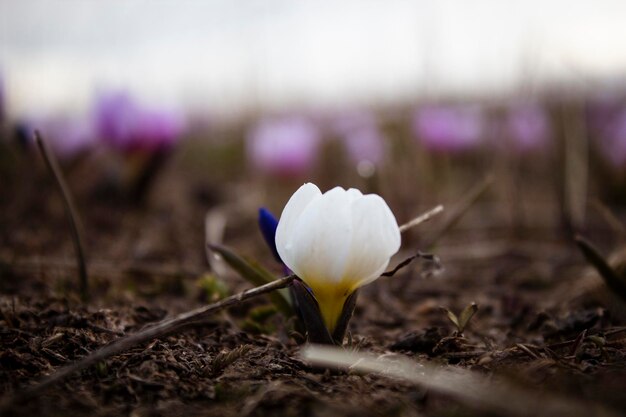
290,216
354,194
322,239
375,238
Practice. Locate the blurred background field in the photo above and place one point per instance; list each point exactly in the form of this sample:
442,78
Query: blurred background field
174,121
404,94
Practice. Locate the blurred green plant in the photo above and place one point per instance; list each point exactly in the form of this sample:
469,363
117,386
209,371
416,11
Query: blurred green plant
258,319
462,320
213,289
255,274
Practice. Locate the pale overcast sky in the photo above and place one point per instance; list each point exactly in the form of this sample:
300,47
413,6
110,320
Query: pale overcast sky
225,55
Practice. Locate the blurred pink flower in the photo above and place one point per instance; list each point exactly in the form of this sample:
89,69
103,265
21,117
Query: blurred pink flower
528,126
365,145
286,146
606,121
128,126
603,109
113,116
613,141
361,136
449,128
156,128
349,121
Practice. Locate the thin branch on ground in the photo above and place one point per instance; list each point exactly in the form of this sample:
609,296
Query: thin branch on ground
463,386
162,328
426,256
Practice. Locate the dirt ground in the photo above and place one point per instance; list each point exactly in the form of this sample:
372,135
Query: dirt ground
545,321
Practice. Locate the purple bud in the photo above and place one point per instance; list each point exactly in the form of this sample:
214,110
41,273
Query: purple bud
268,225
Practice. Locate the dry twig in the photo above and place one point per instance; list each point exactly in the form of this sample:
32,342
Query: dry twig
467,387
422,218
167,326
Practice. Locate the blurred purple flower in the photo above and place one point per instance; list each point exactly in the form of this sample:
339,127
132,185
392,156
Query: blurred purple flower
286,146
603,109
613,141
156,128
365,145
349,121
361,136
128,126
449,128
528,126
113,115
606,121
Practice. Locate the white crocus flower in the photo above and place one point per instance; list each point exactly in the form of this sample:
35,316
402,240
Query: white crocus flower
336,242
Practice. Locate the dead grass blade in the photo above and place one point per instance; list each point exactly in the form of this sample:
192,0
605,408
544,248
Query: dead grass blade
492,395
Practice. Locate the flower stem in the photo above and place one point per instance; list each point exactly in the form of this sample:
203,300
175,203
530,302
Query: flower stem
70,211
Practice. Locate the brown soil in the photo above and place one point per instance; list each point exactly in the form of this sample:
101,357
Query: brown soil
539,307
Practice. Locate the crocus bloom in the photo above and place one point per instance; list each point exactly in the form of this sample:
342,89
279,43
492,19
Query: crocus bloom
448,129
283,146
336,242
156,129
128,126
113,116
528,126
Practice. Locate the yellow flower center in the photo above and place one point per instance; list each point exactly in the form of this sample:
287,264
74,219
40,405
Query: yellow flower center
331,298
